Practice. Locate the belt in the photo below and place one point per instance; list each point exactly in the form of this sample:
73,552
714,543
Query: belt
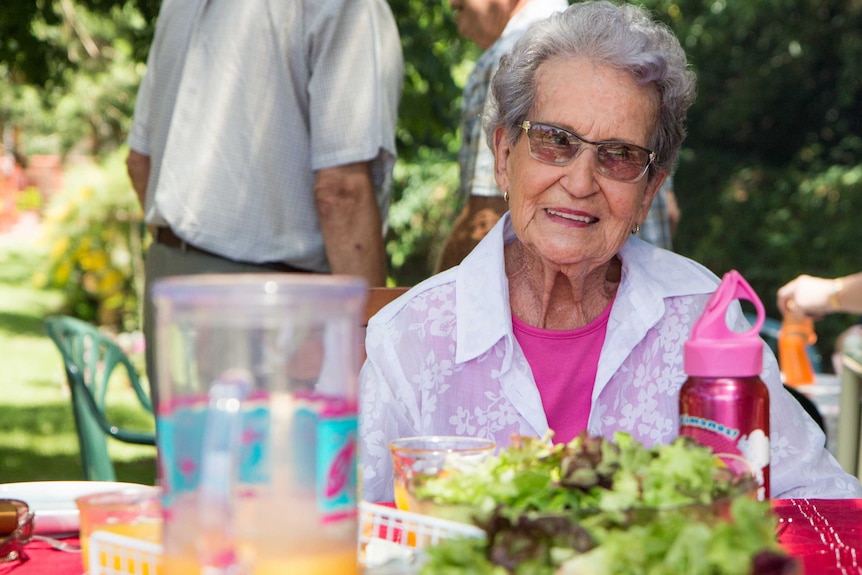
166,236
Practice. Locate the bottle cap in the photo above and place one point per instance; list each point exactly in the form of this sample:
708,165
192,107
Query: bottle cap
714,350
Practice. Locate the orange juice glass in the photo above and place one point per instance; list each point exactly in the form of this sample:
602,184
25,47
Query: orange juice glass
132,512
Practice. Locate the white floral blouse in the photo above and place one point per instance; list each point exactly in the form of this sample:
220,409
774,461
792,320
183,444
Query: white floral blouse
442,359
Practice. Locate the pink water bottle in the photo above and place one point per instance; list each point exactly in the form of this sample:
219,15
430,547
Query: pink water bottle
724,404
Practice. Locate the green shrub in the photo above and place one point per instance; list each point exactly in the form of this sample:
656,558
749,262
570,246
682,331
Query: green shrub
93,233
421,216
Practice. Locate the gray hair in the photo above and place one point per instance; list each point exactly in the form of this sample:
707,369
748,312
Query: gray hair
622,36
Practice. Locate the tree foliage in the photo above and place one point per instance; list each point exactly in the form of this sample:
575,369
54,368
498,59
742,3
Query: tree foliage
436,64
34,56
77,86
769,180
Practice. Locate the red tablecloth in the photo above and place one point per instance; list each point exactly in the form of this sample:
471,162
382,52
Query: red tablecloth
45,561
826,536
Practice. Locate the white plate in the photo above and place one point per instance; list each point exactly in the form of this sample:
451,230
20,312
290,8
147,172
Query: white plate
54,501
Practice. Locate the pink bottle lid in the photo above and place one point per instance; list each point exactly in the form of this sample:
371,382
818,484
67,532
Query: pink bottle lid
714,350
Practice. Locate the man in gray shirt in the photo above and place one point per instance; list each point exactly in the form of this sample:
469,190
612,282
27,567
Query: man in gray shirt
264,138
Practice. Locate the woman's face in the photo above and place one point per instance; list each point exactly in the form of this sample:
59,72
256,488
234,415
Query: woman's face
572,214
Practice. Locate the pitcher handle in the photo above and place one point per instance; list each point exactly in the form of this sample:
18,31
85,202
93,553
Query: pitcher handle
216,541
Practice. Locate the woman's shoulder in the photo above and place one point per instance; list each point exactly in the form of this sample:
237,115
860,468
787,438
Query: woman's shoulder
665,271
433,292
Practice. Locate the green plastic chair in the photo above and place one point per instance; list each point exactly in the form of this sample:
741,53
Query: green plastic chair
90,358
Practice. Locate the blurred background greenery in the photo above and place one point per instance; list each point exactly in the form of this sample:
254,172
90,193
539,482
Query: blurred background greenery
769,182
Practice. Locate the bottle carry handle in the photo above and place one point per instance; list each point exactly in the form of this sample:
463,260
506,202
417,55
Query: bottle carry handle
712,324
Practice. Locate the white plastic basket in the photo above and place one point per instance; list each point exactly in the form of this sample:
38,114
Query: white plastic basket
386,533
112,554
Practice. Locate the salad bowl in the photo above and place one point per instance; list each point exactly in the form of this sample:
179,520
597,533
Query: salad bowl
600,506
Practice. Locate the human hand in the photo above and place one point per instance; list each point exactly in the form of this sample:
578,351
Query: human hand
806,295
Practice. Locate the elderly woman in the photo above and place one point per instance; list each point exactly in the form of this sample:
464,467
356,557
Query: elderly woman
561,318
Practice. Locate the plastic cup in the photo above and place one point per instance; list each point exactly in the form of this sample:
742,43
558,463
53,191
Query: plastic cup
132,512
416,459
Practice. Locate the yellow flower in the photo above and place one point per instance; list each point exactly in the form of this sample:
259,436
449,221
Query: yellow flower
60,247
63,273
84,245
111,282
94,261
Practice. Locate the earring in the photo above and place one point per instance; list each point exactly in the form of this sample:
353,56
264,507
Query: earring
635,229
506,197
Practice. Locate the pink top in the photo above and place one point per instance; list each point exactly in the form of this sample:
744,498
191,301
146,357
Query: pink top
566,386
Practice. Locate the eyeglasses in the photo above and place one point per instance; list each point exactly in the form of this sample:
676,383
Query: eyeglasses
16,522
617,160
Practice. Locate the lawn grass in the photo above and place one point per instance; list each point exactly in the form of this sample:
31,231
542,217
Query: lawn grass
36,422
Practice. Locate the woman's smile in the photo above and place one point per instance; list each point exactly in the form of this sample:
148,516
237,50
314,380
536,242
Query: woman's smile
571,216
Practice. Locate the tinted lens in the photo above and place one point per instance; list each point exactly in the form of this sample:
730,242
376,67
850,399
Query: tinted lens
621,161
617,160
554,145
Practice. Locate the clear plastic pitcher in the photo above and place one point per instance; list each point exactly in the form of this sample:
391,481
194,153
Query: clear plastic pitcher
256,422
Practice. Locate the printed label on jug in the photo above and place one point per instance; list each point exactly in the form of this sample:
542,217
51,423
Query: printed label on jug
336,460
326,446
741,452
319,442
181,439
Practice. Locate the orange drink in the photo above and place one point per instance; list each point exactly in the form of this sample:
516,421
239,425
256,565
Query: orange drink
271,535
133,512
402,496
338,560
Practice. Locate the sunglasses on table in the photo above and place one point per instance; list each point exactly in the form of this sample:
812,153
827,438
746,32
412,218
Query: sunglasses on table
16,529
619,161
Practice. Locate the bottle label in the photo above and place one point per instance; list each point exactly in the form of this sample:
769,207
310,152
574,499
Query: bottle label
743,451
